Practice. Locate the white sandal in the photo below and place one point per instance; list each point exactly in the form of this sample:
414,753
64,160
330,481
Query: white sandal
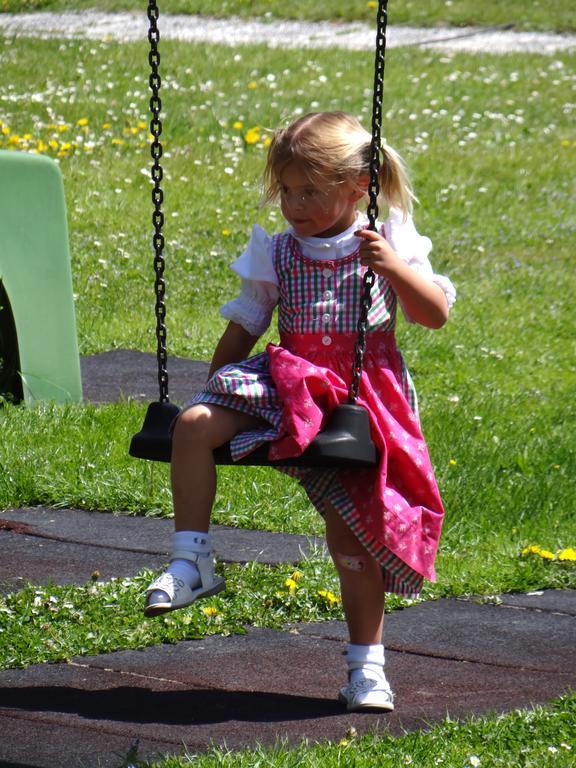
367,694
169,592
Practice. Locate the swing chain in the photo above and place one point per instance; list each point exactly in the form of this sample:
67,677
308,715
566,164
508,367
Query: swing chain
373,191
157,175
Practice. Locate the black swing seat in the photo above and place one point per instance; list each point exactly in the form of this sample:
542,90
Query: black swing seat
345,442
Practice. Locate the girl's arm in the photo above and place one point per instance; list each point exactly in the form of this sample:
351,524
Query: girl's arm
235,345
423,300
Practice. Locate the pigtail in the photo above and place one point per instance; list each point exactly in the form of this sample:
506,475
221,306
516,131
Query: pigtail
395,186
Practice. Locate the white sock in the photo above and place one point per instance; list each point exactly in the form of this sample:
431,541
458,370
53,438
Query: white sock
365,661
189,541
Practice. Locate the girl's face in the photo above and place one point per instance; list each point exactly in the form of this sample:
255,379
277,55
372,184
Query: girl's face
316,212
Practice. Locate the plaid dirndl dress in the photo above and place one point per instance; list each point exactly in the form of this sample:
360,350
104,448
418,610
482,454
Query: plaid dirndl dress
395,509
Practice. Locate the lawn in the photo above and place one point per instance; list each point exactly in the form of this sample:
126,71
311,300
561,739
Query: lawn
491,145
556,16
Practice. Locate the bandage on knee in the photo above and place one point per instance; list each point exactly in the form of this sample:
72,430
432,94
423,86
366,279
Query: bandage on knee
356,563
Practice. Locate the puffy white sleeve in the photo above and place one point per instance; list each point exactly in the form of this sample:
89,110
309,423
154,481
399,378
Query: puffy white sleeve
253,308
414,248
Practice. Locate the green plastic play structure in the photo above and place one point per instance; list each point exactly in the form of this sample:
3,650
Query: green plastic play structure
37,319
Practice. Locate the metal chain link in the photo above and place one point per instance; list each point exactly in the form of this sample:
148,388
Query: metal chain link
157,175
158,196
373,190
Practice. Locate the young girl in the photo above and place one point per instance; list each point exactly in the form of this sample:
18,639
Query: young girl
382,524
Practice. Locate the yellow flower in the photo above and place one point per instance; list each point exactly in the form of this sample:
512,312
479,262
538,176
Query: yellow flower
53,144
252,84
238,124
535,550
118,142
371,4
5,130
210,611
297,575
83,122
452,462
547,555
292,586
62,128
252,136
567,554
226,232
330,598
106,126
532,550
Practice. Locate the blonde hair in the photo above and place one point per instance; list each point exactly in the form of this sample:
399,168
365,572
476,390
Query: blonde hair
335,147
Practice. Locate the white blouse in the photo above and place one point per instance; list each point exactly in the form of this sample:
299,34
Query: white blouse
253,308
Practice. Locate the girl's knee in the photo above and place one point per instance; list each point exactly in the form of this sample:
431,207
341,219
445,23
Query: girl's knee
193,423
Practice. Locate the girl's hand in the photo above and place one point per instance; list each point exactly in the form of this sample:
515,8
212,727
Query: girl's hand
376,253
423,301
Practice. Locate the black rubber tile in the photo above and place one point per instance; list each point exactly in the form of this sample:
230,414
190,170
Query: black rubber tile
68,545
127,373
482,633
552,600
233,691
25,558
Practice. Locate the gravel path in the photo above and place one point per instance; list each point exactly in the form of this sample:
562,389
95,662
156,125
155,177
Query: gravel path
125,27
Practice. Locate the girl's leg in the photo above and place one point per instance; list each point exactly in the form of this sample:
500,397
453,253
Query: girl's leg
362,590
190,574
361,583
198,431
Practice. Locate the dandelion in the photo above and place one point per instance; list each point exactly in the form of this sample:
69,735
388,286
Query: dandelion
452,462
292,586
535,550
371,4
330,598
226,232
238,125
568,554
252,85
297,575
252,135
210,611
83,122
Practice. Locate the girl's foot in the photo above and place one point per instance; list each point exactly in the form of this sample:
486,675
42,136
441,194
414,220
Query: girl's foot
180,586
367,693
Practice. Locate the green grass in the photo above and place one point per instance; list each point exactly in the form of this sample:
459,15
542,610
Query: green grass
537,15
